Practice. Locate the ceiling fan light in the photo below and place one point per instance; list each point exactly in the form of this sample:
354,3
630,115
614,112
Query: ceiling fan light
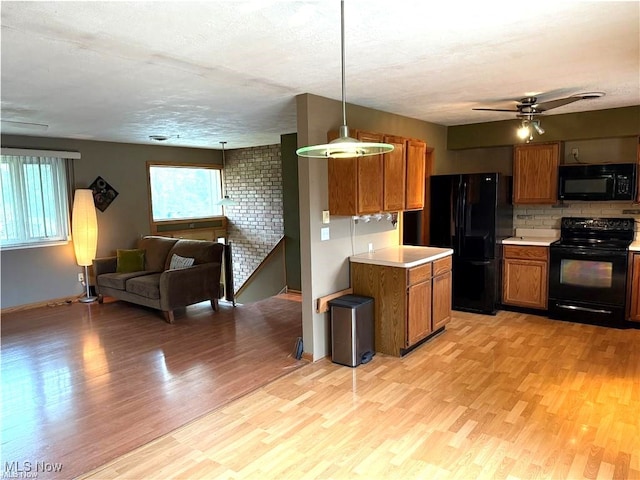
524,132
539,130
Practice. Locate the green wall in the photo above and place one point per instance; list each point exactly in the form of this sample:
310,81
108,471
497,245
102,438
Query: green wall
291,207
615,122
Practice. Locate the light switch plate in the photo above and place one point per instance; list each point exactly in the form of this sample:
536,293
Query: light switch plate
324,234
325,216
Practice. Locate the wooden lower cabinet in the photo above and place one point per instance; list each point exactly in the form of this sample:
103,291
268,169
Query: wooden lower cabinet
525,276
419,312
634,289
441,313
410,303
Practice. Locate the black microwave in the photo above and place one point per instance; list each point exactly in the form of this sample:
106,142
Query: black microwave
610,181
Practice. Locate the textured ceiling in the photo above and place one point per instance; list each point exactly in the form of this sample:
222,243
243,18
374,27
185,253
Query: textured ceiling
215,71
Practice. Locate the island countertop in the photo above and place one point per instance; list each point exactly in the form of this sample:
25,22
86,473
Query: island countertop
403,256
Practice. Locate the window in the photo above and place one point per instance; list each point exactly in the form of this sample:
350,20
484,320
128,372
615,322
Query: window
34,203
184,192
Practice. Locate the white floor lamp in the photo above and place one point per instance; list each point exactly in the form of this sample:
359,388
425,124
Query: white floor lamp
84,225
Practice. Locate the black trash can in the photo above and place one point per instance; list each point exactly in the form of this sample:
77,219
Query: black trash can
352,330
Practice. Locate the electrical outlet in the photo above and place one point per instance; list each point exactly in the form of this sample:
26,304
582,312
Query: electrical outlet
81,277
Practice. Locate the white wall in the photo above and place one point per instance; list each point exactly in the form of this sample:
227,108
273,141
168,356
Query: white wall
325,265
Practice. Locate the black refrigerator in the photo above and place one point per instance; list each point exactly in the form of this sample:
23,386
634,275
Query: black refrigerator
472,214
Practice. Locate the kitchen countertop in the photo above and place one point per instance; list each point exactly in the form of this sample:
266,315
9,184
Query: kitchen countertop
403,256
542,237
533,236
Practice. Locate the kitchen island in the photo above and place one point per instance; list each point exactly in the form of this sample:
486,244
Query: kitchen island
411,288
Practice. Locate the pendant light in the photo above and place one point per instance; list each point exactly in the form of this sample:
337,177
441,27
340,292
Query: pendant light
344,146
225,201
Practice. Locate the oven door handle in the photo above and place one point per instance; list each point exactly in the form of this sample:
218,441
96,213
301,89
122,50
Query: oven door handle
583,309
574,252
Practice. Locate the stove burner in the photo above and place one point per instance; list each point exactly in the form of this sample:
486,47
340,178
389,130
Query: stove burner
593,243
599,233
597,224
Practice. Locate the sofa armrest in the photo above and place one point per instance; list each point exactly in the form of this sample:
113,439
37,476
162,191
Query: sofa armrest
185,286
104,265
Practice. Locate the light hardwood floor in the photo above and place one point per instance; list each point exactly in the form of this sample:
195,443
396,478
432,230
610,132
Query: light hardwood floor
512,396
83,384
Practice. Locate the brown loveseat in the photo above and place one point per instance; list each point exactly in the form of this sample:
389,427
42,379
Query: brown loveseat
158,286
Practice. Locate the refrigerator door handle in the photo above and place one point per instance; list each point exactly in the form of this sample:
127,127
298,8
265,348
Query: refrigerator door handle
480,262
462,214
463,209
456,217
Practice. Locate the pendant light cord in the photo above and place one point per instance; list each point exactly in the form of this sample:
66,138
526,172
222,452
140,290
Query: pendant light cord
344,146
224,173
344,101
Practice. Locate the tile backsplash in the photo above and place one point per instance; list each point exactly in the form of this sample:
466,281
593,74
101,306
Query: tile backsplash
543,216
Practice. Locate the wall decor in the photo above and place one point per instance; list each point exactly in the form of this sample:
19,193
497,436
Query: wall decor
103,193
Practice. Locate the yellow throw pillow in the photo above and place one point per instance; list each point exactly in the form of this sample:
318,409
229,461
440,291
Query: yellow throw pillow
130,260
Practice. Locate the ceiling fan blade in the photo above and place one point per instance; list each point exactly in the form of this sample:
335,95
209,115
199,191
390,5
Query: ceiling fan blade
25,125
495,109
544,106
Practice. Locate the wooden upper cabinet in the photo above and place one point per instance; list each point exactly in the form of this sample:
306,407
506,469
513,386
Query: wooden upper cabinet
343,184
395,174
535,173
355,184
416,154
393,182
638,172
370,176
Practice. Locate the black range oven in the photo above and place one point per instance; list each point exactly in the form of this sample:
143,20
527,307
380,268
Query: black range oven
588,270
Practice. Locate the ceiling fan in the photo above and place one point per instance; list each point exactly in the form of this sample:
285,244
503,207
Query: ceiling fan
24,125
528,108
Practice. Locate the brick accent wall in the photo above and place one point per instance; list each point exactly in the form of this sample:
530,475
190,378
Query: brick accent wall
541,216
254,180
